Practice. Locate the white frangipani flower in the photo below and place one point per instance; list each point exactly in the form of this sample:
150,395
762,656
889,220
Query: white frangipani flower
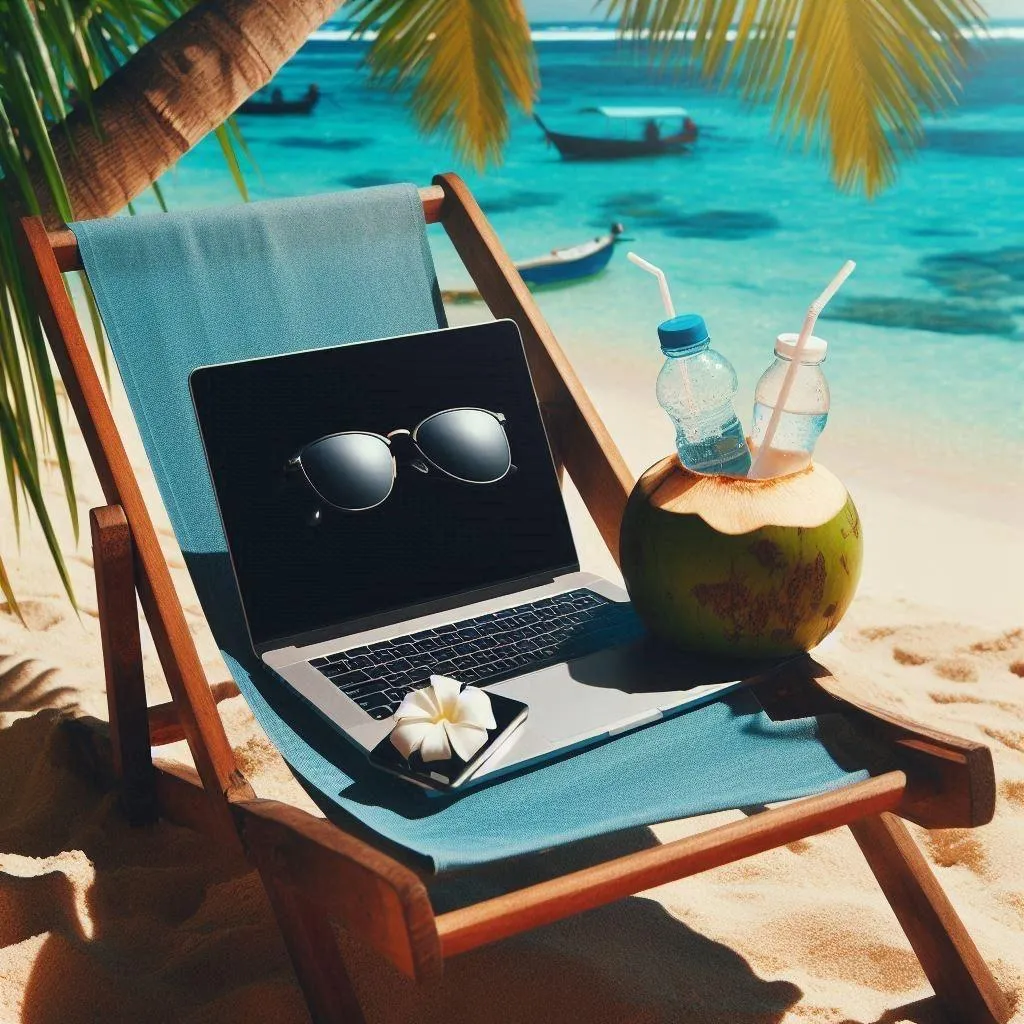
439,719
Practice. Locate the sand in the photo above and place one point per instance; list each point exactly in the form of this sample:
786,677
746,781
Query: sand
101,922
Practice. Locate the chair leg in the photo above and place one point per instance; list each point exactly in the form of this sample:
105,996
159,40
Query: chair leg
313,951
113,564
961,979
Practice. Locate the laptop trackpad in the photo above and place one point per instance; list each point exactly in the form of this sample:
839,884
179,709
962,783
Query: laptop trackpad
591,694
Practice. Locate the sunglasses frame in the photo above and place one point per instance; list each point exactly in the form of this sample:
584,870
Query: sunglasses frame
295,462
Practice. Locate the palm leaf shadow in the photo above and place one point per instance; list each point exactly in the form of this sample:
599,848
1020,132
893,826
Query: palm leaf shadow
29,685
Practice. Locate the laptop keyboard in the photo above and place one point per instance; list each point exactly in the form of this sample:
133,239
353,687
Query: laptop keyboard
483,649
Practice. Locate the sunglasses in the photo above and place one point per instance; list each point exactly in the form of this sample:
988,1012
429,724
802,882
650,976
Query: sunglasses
355,470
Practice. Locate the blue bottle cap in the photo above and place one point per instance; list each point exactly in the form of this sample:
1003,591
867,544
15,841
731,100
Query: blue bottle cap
683,334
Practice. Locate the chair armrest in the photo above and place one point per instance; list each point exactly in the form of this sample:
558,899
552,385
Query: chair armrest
366,892
950,780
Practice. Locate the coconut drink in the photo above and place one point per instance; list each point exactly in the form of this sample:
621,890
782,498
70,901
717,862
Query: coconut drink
739,566
729,551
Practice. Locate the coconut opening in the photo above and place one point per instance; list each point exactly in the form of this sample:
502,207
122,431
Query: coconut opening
733,505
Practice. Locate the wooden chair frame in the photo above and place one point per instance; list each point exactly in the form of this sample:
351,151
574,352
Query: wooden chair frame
319,877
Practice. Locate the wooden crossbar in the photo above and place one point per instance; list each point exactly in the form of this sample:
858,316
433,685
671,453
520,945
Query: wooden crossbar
498,918
65,245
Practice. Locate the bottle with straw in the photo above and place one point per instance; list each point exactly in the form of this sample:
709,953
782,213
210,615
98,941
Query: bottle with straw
791,401
697,387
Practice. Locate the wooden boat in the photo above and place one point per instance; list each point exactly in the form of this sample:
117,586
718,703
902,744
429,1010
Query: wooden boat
571,263
560,266
277,104
651,141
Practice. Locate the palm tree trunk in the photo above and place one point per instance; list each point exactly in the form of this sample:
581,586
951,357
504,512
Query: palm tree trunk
177,88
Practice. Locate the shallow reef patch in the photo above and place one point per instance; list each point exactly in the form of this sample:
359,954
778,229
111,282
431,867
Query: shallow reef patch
333,145
974,142
941,316
518,199
369,178
639,197
986,274
642,205
724,225
927,231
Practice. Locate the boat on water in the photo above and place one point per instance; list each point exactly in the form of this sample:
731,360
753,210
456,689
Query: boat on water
277,104
655,138
560,266
572,262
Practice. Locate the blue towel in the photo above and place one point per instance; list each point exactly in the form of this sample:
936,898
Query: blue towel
178,291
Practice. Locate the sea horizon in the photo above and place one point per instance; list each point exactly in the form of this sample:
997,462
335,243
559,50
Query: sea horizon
602,30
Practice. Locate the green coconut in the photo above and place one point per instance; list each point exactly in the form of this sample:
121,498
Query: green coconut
742,567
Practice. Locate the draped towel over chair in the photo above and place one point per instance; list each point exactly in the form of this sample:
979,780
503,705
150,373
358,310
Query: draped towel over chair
182,290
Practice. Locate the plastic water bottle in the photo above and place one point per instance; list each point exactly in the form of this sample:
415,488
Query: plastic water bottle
805,413
697,387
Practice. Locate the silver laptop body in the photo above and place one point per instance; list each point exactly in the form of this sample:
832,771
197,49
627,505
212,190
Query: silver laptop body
572,703
564,642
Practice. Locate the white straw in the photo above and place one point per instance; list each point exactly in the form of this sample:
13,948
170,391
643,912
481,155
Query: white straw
666,296
798,349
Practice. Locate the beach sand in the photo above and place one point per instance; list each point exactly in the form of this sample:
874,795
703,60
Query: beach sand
102,922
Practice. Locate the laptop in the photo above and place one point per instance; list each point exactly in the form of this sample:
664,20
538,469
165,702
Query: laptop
392,510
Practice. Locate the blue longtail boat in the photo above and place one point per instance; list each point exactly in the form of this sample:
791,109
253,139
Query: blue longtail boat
571,263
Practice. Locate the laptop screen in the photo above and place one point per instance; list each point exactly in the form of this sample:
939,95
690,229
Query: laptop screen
313,542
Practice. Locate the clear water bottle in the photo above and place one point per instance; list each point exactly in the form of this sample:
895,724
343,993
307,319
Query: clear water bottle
697,387
806,410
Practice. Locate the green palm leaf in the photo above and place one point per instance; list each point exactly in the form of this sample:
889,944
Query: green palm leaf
850,75
52,53
462,59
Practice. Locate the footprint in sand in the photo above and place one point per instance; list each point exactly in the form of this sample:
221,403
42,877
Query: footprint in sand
37,615
957,847
958,698
1015,900
954,652
1008,737
1014,708
877,632
911,645
908,656
1011,640
956,669
1007,648
1012,791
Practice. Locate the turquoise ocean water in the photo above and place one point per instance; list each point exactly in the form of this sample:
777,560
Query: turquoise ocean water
748,229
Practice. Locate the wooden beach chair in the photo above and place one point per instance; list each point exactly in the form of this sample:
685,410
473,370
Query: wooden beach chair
320,878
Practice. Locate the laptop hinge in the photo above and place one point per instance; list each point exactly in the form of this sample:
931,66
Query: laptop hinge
389,618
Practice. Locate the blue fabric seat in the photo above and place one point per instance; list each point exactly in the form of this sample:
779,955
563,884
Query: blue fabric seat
179,291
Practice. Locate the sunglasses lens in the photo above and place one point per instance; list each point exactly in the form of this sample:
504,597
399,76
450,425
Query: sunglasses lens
351,471
469,444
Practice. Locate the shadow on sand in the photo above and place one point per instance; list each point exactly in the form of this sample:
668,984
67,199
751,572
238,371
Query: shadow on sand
179,932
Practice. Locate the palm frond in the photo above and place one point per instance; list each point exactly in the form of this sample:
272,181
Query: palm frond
851,75
53,55
462,60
